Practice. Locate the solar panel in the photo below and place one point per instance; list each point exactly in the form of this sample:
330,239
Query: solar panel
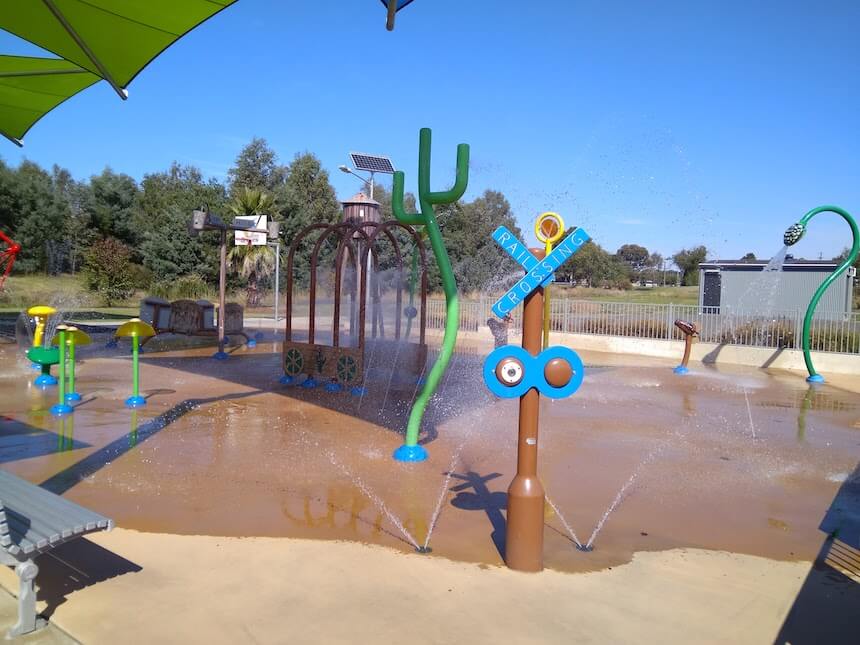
371,163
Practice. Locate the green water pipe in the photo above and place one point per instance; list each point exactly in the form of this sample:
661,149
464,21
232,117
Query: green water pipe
411,451
61,366
135,375
792,236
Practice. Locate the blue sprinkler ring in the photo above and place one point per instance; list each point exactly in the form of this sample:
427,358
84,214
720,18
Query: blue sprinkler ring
520,371
135,402
73,396
410,453
681,370
61,409
251,344
815,378
286,379
44,380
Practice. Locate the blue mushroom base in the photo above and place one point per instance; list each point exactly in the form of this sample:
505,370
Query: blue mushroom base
135,402
410,453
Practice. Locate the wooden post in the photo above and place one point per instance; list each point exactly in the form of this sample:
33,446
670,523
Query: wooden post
524,541
222,291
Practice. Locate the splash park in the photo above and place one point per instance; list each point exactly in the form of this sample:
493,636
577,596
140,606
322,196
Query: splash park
355,471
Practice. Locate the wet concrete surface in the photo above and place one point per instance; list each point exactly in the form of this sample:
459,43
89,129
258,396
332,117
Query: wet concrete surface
741,460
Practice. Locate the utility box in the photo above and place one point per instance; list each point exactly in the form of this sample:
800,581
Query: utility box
234,318
207,315
156,312
741,286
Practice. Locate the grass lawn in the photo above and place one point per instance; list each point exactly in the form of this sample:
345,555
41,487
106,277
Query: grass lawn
69,292
656,295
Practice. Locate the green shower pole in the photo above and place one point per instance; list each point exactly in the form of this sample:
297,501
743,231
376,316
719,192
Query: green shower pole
71,367
410,450
791,237
62,407
135,375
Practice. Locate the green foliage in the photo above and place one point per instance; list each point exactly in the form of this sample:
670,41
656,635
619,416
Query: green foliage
595,267
187,287
252,262
162,213
110,202
107,270
634,256
467,229
257,167
688,261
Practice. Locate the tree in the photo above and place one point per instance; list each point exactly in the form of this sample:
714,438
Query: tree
307,197
749,257
634,256
257,167
467,228
597,267
252,262
110,205
107,270
688,261
162,212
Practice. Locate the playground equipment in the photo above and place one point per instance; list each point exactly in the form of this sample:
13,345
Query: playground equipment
62,407
42,356
357,254
527,372
392,7
410,450
191,318
74,337
792,236
8,253
549,229
690,331
135,329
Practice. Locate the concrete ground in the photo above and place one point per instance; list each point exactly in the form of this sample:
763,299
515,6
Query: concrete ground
741,522
197,589
51,635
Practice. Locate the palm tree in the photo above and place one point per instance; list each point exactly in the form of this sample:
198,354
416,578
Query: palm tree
252,262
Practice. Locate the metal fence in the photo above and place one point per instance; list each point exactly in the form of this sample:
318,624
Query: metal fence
831,331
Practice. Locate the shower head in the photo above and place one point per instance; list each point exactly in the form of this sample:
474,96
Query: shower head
793,234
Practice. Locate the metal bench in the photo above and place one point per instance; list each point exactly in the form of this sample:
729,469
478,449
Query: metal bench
32,522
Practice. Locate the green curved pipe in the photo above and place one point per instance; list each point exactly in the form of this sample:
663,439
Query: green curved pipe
427,218
792,236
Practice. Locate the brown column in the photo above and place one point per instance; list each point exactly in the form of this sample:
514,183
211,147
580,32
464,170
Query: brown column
222,290
524,542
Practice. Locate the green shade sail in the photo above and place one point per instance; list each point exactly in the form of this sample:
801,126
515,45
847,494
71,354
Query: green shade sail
31,87
114,39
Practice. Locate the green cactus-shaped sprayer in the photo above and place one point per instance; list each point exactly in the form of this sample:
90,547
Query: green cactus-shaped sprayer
411,451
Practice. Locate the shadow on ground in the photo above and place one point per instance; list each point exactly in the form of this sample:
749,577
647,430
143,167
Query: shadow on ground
74,566
826,608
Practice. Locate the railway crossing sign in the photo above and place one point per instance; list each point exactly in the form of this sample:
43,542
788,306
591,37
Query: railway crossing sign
539,273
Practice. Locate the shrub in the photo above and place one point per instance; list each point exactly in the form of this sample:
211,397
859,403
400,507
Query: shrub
107,270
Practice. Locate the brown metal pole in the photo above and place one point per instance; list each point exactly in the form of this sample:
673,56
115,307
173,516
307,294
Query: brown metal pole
222,290
524,541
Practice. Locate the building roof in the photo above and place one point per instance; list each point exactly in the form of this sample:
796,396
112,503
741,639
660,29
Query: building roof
360,198
759,265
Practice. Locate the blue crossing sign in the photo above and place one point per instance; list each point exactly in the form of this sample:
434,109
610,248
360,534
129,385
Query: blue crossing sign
539,272
518,251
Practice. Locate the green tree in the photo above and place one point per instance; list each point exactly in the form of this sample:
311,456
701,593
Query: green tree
107,270
597,267
307,198
478,262
162,213
749,257
252,262
257,167
634,256
110,204
688,261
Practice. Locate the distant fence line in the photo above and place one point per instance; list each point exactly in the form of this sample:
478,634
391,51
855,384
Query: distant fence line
831,332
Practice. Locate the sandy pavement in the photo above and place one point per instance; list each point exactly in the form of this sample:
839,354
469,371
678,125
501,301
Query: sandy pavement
278,590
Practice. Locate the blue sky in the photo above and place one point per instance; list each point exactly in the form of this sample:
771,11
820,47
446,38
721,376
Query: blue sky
668,124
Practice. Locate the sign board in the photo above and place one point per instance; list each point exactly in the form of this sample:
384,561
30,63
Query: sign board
540,272
248,238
